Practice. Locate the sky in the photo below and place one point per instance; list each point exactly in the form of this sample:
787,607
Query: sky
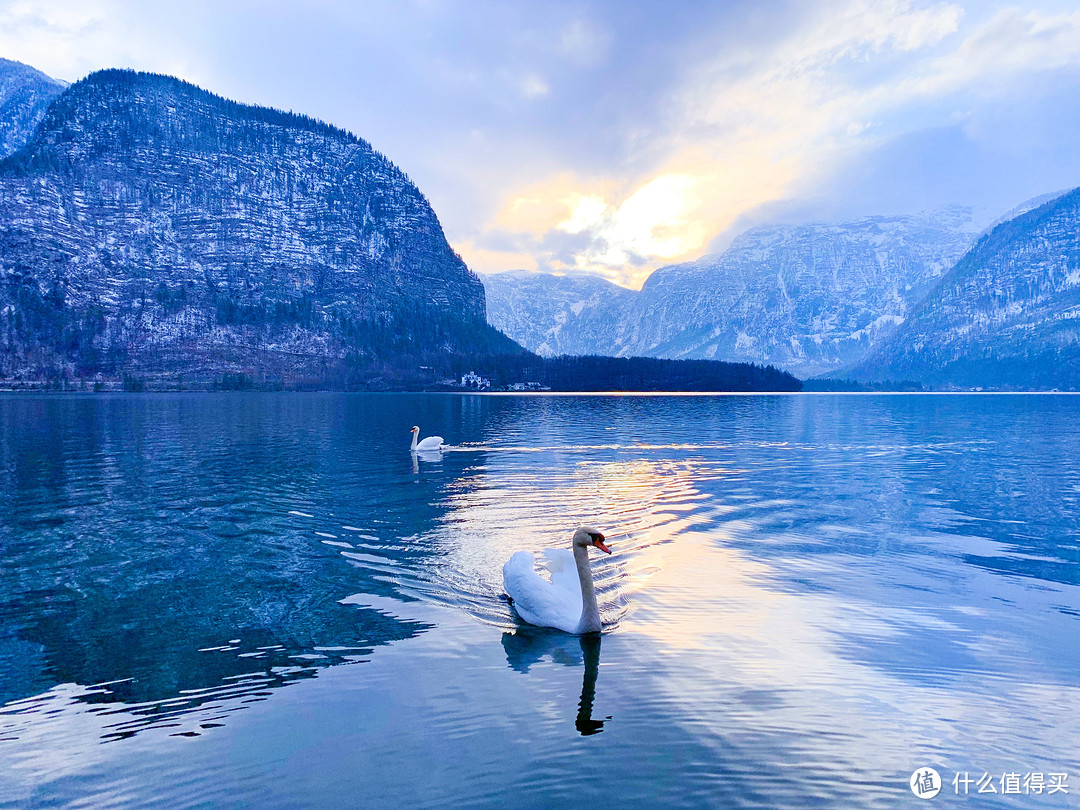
613,138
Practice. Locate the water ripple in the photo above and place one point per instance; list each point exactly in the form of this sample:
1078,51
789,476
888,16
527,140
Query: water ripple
809,597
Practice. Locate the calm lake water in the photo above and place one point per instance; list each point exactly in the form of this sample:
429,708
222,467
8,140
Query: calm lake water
261,600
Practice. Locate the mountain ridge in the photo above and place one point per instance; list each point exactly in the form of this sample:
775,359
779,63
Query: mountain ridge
25,95
150,226
1006,315
765,300
573,310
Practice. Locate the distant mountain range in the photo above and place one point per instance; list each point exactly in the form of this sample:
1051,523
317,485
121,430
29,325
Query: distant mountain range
25,94
1006,316
807,298
150,228
557,315
154,233
153,230
880,299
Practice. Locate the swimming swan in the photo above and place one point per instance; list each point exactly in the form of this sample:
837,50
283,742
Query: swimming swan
428,444
567,602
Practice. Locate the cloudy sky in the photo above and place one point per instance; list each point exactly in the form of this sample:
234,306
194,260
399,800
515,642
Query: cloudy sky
613,138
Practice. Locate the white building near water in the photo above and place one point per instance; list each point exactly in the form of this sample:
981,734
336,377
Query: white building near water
474,380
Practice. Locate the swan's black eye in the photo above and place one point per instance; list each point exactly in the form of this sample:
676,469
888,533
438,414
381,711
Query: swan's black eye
596,536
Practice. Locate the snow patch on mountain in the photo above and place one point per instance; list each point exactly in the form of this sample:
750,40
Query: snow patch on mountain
807,298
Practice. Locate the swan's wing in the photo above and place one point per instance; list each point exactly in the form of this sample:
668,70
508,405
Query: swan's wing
538,601
430,443
562,567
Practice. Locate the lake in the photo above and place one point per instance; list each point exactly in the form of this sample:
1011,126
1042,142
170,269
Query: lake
264,600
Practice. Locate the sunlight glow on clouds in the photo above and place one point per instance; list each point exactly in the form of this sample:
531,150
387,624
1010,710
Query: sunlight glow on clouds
614,137
747,127
755,126
650,222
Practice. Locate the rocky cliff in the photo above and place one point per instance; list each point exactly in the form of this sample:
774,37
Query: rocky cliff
151,228
1007,315
554,315
807,298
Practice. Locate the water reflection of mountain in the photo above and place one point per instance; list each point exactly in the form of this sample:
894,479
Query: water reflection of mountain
142,535
186,549
871,475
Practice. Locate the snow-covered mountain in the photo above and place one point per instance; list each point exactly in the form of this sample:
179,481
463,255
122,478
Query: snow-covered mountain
25,94
554,315
1007,315
152,228
806,298
1023,208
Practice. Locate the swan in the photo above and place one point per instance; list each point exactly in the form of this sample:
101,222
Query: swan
428,444
567,602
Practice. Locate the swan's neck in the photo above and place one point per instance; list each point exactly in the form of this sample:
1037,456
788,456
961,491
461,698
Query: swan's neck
590,614
416,433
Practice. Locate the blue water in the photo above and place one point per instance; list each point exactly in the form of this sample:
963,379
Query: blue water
263,600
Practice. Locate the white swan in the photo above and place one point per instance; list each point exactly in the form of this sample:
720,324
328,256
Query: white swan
568,601
427,445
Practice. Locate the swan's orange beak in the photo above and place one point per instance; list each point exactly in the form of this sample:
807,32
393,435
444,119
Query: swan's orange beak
599,543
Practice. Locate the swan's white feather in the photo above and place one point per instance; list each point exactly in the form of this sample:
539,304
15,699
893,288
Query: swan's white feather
562,568
555,603
430,443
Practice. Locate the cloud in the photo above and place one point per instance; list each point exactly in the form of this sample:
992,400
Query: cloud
35,33
859,30
584,42
70,38
1011,43
533,86
613,137
755,125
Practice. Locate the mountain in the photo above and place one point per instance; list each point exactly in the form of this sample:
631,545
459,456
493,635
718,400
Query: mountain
152,229
25,94
555,315
1023,208
1006,316
806,298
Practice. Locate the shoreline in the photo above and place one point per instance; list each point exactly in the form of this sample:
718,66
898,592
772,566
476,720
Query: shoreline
52,392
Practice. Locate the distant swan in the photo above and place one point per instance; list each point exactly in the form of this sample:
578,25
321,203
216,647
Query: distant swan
427,445
568,601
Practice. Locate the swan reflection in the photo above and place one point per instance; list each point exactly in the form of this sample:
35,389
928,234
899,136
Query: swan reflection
529,645
424,455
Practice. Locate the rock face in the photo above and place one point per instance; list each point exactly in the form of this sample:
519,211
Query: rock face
555,315
1007,315
25,94
151,227
808,299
